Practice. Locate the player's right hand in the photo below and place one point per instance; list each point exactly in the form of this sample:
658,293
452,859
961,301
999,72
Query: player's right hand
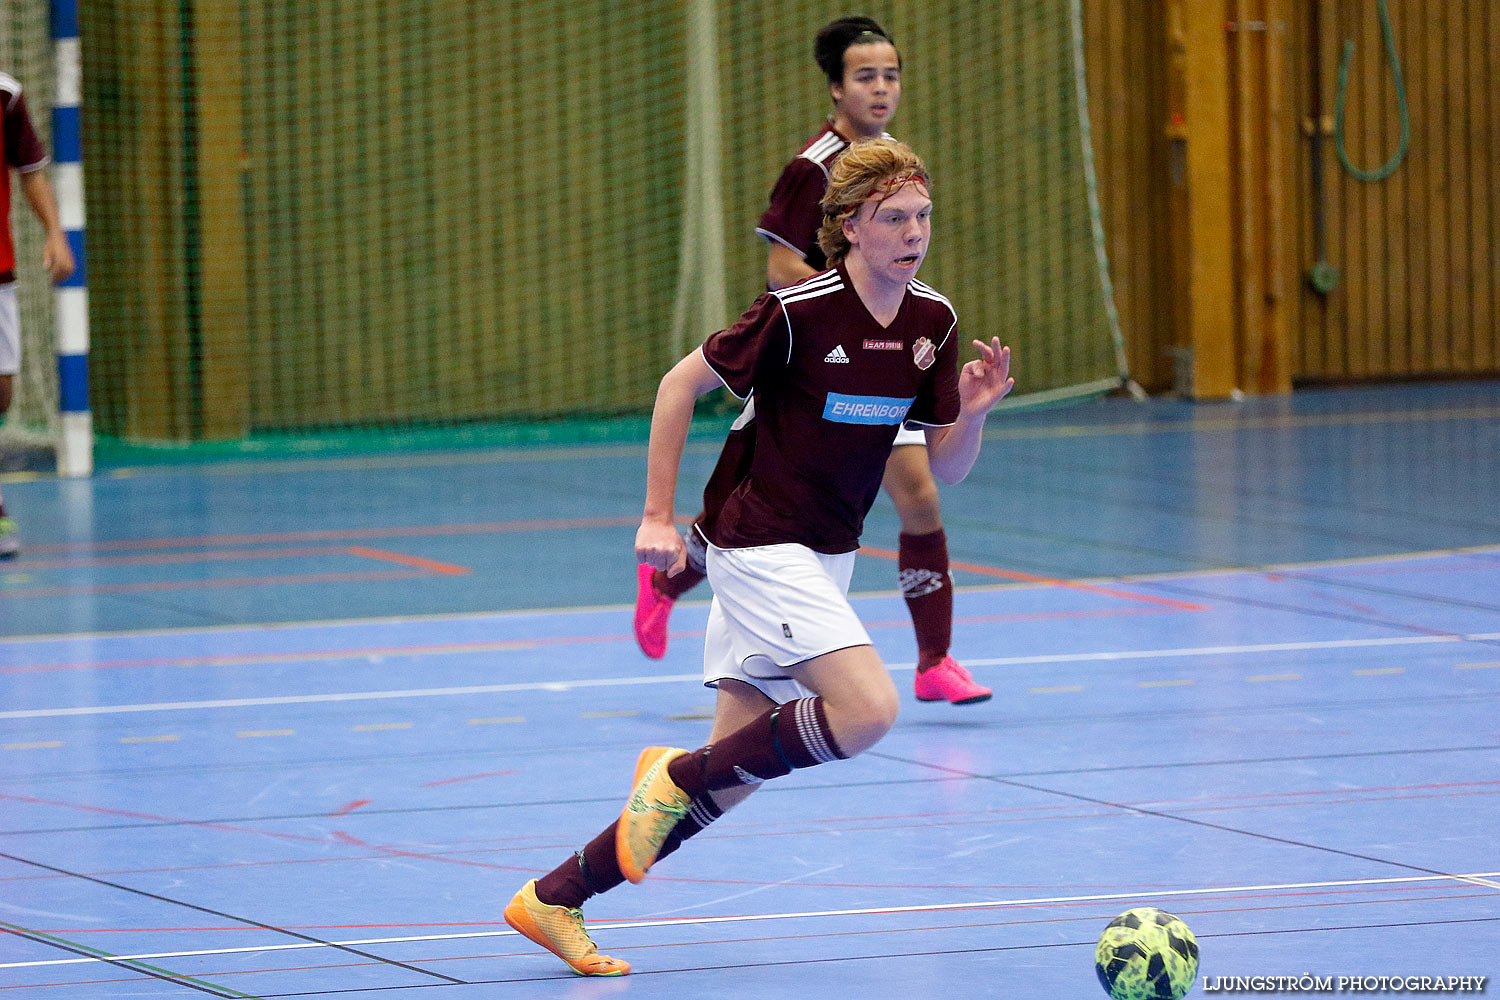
658,545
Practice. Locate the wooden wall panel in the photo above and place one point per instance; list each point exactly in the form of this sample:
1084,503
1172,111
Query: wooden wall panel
1415,251
1126,58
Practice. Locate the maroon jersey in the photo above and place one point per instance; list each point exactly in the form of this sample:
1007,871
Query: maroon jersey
24,151
831,387
796,210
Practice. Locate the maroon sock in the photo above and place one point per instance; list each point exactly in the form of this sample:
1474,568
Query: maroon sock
785,738
928,590
595,869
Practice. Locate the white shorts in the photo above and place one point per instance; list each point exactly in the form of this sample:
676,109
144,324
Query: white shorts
10,330
776,606
905,436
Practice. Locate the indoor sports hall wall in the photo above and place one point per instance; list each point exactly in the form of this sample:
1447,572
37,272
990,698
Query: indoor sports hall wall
374,213
381,214
1418,275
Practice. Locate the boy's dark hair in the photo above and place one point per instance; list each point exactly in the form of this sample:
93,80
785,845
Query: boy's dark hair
834,39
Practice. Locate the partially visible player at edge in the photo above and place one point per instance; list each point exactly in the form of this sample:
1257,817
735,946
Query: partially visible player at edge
864,79
798,681
24,152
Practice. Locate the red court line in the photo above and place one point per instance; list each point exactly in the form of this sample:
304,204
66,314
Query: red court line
181,558
446,569
801,935
1010,574
1416,894
297,657
343,535
218,583
106,810
445,649
238,555
467,777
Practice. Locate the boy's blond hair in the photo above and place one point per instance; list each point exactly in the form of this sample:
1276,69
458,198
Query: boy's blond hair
870,168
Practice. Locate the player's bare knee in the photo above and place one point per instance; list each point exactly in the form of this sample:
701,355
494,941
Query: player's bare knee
858,724
921,512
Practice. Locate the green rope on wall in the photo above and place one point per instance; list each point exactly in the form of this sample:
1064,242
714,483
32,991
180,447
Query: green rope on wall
1389,167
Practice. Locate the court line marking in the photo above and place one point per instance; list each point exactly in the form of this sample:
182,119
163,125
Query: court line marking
95,954
1047,581
248,922
316,462
1473,878
338,535
603,682
217,583
235,555
501,613
372,653
1271,568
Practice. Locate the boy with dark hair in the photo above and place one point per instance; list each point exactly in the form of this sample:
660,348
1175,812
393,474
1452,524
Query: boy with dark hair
863,69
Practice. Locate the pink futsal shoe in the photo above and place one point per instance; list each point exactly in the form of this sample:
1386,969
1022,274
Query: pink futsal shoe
947,681
651,613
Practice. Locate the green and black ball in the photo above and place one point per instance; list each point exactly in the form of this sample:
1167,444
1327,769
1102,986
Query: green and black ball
1146,954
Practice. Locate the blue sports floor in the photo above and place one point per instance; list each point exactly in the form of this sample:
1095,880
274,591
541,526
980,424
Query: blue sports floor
301,728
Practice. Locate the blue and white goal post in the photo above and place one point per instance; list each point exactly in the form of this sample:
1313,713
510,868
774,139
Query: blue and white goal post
75,450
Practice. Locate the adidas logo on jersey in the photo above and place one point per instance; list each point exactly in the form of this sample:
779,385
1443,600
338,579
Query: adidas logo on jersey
836,356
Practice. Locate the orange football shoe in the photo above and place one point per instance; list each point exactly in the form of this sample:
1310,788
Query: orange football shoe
654,808
560,930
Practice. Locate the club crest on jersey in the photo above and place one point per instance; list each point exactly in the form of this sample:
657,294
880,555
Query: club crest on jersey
924,353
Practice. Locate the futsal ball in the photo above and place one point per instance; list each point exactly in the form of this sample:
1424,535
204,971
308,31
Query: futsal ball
1146,954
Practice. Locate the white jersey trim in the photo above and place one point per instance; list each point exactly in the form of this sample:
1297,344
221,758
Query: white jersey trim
823,149
717,375
811,287
770,237
928,292
11,87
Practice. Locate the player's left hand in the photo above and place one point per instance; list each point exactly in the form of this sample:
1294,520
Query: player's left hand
986,380
57,258
658,545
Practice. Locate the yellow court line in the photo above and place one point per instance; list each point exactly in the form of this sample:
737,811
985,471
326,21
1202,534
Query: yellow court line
624,714
497,720
1379,671
371,727
1262,678
1066,689
35,745
149,739
250,734
1479,666
1167,684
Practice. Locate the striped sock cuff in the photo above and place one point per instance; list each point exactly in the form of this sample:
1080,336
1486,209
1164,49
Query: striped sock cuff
813,732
